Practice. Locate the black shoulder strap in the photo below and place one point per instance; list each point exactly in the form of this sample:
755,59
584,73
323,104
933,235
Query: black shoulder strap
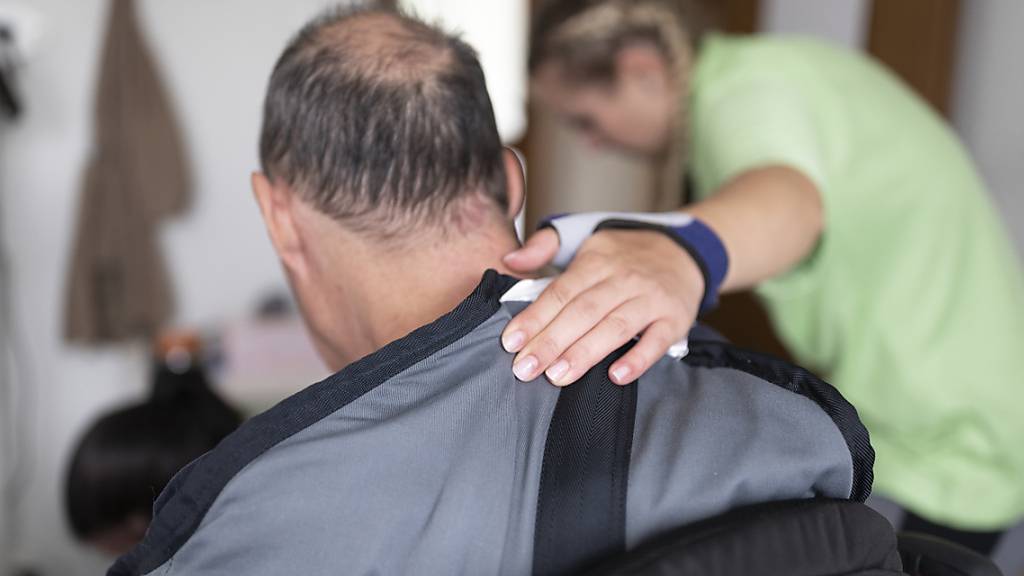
581,506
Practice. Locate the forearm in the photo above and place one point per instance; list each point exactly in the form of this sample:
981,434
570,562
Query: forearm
625,282
769,220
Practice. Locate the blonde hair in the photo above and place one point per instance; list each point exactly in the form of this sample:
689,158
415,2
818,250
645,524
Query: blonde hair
584,37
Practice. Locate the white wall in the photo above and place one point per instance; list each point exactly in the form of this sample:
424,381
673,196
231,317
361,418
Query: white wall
215,56
498,32
40,160
988,101
840,21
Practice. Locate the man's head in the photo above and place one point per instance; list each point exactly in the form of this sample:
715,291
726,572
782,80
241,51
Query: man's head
378,141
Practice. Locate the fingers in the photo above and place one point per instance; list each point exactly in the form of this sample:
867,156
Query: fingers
619,284
528,323
572,320
656,340
538,252
614,330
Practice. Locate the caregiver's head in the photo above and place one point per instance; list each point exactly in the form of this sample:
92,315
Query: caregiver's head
615,69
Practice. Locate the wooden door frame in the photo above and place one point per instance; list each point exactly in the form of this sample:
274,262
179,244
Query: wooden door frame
917,39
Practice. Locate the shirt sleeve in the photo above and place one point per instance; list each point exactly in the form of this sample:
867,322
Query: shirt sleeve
753,121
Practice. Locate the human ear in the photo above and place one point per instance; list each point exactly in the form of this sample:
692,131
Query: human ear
515,183
277,206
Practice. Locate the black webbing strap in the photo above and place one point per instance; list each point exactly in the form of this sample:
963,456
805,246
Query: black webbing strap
581,506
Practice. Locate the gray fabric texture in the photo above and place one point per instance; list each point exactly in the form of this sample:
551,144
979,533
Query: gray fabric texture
708,440
436,471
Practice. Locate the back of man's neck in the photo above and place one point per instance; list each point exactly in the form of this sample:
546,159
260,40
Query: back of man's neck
396,292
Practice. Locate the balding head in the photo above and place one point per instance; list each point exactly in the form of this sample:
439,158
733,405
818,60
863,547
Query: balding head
382,123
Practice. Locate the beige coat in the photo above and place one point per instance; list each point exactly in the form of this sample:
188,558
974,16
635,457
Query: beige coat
118,286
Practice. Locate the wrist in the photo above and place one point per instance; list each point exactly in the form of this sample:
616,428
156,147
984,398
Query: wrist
690,277
705,248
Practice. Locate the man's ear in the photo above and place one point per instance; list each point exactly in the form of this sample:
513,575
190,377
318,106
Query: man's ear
277,205
515,175
642,64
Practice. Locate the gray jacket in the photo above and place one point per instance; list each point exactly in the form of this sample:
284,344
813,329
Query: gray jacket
428,457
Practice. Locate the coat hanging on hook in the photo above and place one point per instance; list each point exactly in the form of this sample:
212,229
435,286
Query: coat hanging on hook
119,286
10,103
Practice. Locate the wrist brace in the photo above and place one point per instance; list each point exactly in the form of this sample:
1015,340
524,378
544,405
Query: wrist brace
692,235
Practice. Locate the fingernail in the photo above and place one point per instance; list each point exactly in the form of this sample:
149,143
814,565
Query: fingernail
557,371
514,341
510,256
524,368
620,375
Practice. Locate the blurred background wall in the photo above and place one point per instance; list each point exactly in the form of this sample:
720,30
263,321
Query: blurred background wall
215,57
841,21
988,93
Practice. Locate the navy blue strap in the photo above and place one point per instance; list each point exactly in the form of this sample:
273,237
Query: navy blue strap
708,250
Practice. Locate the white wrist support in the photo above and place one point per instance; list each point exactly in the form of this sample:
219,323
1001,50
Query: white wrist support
574,229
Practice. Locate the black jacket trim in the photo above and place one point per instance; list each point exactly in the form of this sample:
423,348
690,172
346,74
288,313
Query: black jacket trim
192,492
581,505
707,354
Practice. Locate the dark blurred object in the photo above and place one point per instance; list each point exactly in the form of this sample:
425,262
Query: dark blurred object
808,537
983,543
125,458
734,16
925,555
275,305
137,177
800,538
744,321
10,104
917,39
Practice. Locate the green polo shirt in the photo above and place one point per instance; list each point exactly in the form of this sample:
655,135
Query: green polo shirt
913,301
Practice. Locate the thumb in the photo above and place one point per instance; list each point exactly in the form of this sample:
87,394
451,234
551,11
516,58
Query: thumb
538,252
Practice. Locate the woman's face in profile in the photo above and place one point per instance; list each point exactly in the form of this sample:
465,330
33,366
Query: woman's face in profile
633,113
